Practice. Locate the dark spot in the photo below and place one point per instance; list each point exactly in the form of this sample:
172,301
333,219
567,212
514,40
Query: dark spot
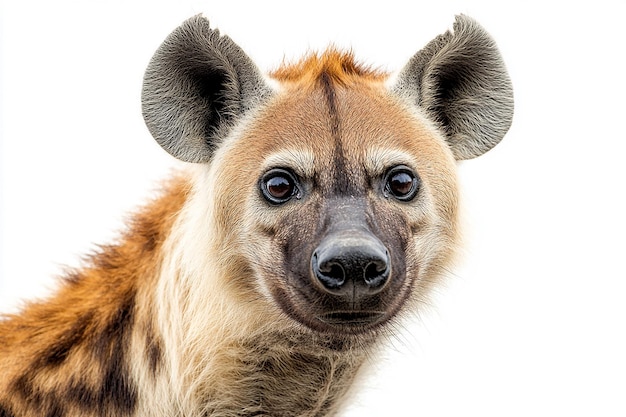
117,329
55,410
80,394
23,387
155,357
116,391
34,398
4,411
59,351
154,350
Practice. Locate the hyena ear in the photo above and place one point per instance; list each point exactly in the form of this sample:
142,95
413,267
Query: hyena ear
460,81
196,87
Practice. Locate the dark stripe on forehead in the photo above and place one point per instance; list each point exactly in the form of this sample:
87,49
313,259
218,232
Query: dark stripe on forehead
331,100
341,183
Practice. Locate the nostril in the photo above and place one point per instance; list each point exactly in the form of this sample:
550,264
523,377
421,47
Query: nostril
335,272
330,274
376,274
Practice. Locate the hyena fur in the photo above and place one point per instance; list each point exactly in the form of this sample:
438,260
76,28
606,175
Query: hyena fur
317,207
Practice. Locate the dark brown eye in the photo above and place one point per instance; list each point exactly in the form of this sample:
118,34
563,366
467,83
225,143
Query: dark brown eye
278,186
402,183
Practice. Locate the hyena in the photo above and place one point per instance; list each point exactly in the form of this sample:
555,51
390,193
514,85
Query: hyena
317,207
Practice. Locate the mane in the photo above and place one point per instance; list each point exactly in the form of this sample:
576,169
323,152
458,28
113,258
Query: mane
340,67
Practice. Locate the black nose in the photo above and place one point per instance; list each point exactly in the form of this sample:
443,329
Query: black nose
353,263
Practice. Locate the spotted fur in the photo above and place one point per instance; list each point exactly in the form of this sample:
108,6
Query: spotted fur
207,305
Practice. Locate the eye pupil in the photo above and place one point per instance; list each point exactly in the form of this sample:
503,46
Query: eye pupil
279,187
401,184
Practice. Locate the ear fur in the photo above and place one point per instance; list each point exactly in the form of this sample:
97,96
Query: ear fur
197,85
461,82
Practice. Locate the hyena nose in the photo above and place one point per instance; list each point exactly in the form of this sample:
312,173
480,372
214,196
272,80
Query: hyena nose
351,264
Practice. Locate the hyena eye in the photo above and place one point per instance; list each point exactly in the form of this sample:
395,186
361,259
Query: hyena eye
278,186
402,183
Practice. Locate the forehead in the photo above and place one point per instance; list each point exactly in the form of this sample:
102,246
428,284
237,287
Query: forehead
360,124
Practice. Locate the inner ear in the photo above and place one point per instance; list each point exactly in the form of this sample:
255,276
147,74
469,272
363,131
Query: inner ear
211,86
448,82
461,82
196,88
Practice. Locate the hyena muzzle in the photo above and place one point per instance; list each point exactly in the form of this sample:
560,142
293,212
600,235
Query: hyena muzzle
315,208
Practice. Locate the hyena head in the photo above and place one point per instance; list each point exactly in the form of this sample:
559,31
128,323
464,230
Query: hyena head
334,185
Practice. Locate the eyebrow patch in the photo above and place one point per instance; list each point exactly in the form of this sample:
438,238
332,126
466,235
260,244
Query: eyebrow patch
378,160
301,161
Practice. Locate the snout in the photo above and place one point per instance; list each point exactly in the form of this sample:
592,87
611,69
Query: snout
349,276
351,265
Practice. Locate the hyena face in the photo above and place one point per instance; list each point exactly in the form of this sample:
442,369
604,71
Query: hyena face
344,211
336,184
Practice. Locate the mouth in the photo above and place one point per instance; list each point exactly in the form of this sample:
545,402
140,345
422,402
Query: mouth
351,318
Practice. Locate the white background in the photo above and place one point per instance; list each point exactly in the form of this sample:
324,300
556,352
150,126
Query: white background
532,323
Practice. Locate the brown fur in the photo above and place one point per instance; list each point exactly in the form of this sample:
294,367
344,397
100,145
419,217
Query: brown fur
340,66
69,353
207,304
